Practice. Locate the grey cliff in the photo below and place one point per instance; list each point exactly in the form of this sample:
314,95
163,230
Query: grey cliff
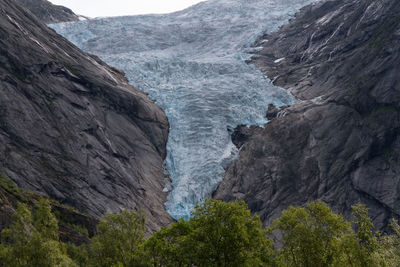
340,141
72,127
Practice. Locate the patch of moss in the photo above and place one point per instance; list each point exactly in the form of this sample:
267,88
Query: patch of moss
11,188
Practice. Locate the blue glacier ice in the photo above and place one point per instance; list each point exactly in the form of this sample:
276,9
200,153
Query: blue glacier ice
192,63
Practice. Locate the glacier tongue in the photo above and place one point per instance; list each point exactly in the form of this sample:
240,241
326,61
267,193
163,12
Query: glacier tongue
192,63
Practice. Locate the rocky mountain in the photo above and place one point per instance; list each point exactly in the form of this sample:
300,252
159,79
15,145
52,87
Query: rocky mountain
72,127
340,141
49,13
191,63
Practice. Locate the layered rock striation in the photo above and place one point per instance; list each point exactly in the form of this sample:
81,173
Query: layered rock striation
49,13
340,141
72,127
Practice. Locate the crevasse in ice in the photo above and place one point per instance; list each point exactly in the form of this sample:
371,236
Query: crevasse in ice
192,63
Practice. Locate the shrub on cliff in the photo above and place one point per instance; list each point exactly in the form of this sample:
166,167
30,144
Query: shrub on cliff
33,242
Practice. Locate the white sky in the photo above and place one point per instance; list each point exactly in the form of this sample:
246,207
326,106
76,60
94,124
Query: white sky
103,8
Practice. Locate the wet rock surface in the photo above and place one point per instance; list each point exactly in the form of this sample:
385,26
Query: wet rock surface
49,13
72,127
340,141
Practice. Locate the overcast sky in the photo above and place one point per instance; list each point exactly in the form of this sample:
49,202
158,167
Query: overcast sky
102,8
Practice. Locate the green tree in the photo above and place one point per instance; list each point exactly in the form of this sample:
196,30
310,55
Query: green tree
4,255
29,246
362,247
48,253
218,234
18,235
389,246
311,235
118,240
227,234
79,254
168,247
45,222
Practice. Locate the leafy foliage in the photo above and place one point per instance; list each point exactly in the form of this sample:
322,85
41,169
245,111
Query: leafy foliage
79,254
311,235
167,247
8,186
118,239
389,246
34,242
362,246
218,234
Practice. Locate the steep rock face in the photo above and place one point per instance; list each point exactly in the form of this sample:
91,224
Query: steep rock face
72,127
340,142
49,13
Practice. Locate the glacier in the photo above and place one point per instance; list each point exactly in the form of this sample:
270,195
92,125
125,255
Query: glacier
192,64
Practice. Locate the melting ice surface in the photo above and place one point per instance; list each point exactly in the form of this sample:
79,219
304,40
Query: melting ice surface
192,63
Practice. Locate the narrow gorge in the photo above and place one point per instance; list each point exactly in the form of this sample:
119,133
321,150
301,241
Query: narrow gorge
192,63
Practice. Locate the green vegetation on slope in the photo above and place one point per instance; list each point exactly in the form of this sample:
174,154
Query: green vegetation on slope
33,240
74,226
218,234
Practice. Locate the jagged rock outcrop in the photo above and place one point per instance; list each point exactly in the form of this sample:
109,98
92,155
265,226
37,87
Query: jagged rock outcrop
72,127
49,13
340,141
